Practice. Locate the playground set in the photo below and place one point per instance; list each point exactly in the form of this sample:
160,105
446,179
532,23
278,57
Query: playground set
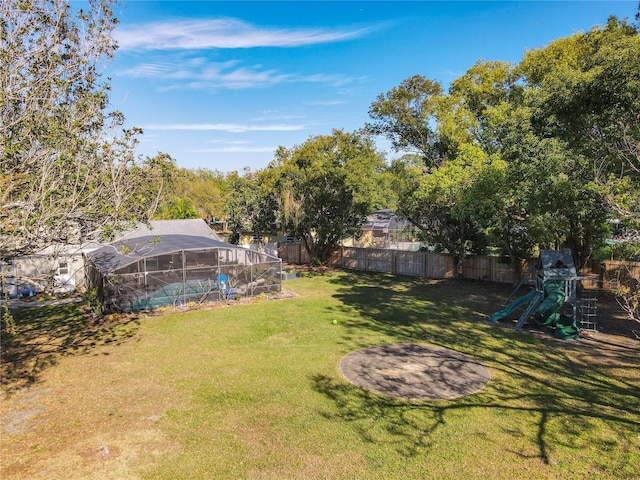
553,300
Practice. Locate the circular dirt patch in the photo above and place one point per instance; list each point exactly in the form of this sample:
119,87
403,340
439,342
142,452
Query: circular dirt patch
414,372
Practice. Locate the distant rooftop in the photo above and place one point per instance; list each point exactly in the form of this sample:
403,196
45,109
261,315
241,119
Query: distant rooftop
192,226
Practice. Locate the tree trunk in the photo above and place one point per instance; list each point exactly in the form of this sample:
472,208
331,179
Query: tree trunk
513,257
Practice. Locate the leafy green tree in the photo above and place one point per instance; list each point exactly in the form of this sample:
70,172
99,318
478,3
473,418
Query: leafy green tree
453,204
251,205
67,169
205,188
68,173
585,89
548,196
406,115
160,173
451,194
488,93
327,187
175,208
496,122
563,200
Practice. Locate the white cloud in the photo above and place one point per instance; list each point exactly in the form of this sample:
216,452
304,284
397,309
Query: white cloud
180,70
235,149
272,115
224,33
199,73
226,127
147,70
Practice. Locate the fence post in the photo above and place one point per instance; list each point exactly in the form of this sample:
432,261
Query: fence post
493,265
394,259
424,264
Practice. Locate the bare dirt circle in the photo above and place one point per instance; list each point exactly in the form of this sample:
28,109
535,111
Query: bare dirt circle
414,372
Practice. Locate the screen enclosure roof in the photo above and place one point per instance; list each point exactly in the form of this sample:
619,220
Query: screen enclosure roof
110,258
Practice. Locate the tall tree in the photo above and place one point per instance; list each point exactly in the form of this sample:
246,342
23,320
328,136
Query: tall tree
207,190
549,197
406,115
454,134
496,122
251,205
453,204
585,89
327,187
176,208
67,168
487,93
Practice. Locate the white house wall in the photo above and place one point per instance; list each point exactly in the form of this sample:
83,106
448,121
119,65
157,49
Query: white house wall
38,269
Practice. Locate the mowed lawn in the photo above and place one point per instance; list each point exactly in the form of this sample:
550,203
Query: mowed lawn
253,391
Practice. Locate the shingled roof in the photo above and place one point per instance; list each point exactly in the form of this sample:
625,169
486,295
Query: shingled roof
192,226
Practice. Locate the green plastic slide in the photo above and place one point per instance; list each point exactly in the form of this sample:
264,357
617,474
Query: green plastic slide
548,313
494,317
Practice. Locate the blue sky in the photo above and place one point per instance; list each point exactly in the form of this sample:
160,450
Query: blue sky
220,85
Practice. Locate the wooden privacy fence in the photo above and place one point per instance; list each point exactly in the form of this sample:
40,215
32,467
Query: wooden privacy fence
416,264
607,274
613,273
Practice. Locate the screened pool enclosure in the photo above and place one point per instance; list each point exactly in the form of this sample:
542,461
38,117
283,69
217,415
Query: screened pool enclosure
148,272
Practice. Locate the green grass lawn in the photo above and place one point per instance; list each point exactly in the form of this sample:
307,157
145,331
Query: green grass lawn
252,391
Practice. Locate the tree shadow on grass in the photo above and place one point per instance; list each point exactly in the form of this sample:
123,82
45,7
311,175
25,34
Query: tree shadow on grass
47,333
565,391
409,433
